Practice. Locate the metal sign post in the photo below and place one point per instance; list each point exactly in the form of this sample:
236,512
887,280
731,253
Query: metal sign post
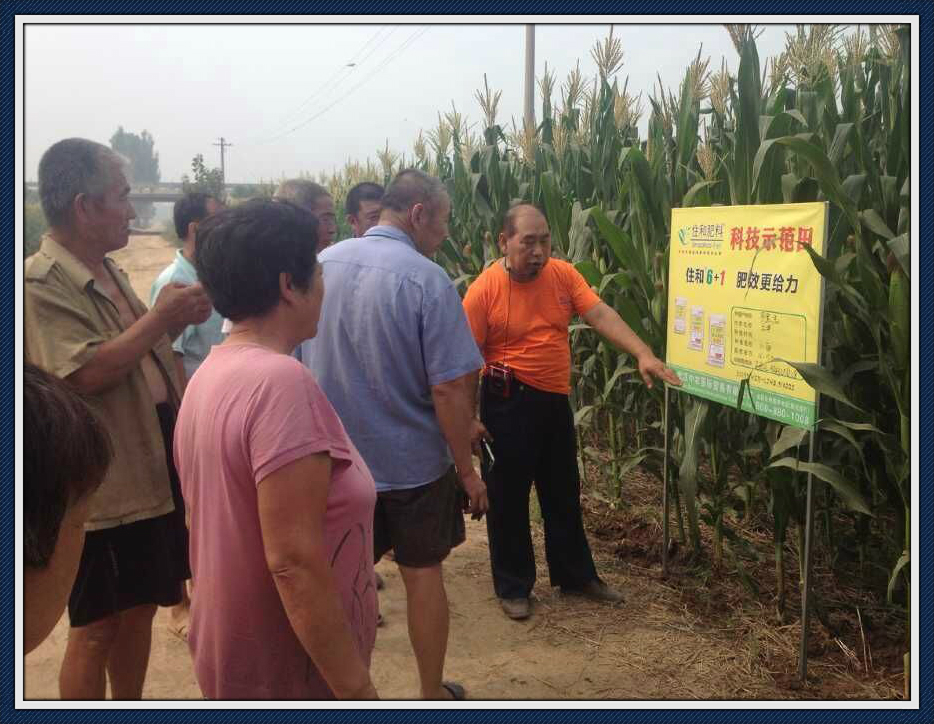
809,512
665,478
806,583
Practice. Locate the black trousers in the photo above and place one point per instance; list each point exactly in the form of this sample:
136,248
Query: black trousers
533,440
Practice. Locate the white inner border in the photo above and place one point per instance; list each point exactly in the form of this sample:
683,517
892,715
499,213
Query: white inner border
20,20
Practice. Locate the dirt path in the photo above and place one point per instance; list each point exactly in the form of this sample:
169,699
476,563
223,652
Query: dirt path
550,656
652,646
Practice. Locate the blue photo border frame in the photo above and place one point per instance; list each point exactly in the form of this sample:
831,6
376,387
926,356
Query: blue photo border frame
921,190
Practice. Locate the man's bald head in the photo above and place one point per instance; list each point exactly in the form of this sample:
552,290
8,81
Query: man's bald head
509,221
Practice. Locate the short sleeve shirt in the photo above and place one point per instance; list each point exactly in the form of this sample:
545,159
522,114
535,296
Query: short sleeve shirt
247,412
391,326
66,319
196,340
525,324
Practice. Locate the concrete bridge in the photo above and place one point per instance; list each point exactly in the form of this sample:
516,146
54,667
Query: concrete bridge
155,196
163,192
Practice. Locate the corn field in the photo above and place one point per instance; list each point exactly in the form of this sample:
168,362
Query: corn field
828,119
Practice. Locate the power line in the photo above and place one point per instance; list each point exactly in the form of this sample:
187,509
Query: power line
376,47
335,79
349,67
386,61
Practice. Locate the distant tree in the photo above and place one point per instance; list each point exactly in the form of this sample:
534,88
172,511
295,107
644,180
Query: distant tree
34,226
206,180
144,166
139,149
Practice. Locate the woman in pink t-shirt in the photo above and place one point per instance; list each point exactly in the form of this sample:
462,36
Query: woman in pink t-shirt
280,502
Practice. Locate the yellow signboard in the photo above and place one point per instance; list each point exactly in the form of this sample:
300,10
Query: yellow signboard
744,295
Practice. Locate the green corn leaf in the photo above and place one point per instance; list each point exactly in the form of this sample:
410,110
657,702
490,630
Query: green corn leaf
580,237
590,272
781,502
643,173
688,200
886,439
790,437
903,561
746,101
889,192
847,491
463,279
822,380
825,267
834,426
630,313
556,210
872,221
901,247
838,145
853,186
743,387
825,173
899,318
766,149
582,414
687,476
842,264
767,178
611,383
621,245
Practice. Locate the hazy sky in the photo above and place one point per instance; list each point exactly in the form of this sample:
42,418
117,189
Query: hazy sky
189,84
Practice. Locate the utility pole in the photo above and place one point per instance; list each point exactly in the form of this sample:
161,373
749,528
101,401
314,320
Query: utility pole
223,144
530,76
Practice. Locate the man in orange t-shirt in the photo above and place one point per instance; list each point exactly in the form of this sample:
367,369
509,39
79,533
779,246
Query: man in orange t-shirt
519,309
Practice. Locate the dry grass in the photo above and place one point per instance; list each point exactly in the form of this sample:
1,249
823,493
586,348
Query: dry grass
731,643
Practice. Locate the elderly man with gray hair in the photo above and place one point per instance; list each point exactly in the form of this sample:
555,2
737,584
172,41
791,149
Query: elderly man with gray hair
316,199
84,323
396,359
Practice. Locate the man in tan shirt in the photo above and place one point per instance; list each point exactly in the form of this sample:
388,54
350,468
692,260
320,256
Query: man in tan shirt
84,323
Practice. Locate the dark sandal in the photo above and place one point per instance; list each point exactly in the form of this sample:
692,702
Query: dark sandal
456,690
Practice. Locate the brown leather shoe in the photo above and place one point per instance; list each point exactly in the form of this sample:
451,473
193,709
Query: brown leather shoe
595,591
516,608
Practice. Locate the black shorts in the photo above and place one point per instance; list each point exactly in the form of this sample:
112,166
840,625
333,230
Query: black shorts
421,525
141,563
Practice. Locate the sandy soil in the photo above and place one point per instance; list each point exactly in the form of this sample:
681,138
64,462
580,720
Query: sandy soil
655,645
569,649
